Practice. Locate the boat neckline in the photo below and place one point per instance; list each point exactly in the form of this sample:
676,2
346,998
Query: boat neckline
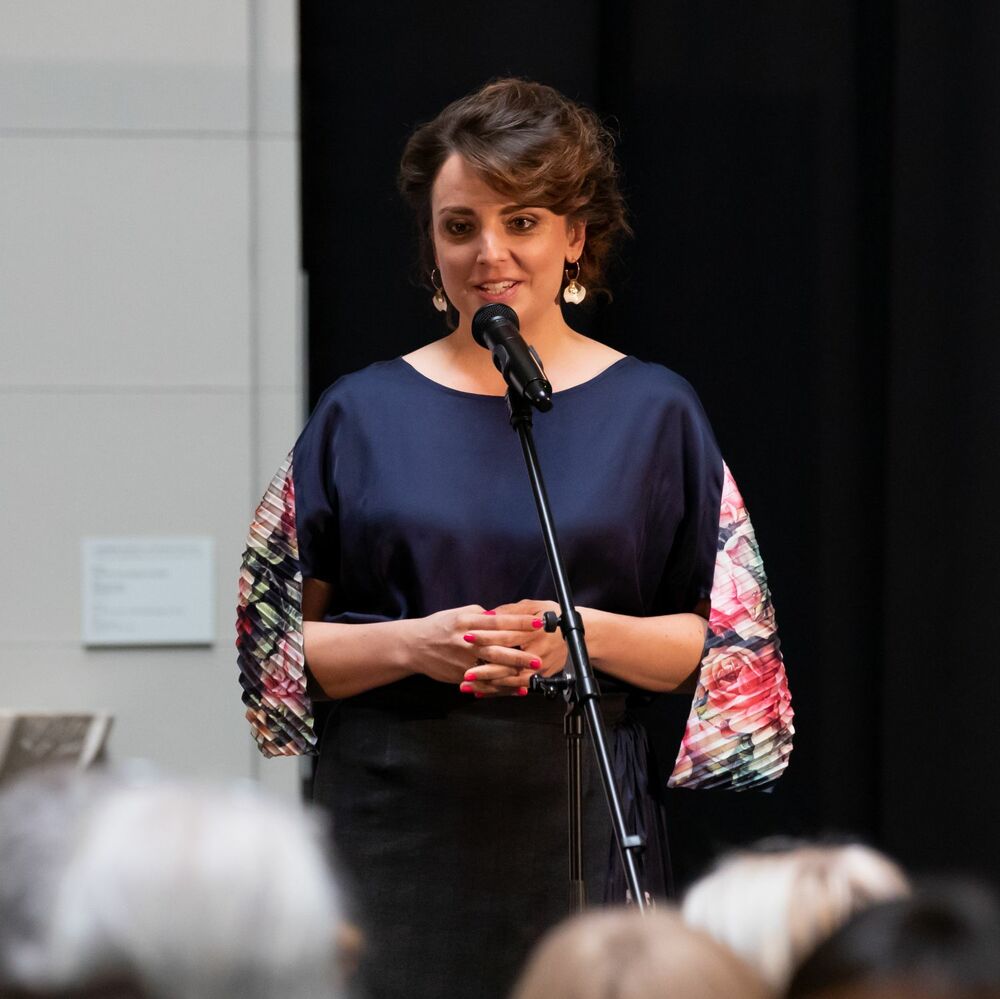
562,393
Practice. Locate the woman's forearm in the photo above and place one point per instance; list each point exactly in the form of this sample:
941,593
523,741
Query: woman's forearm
347,659
656,653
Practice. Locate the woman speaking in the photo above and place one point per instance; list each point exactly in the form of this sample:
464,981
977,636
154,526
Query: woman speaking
395,565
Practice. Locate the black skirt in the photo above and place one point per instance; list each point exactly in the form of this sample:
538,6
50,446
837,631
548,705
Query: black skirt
449,818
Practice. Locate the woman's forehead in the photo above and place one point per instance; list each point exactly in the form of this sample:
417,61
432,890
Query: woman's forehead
459,185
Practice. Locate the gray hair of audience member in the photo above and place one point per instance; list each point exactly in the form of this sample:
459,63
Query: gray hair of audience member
773,903
40,817
198,892
942,941
620,954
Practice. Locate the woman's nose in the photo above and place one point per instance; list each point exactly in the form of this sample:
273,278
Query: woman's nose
492,246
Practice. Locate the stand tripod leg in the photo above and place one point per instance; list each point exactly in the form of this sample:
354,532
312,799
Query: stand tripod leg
573,727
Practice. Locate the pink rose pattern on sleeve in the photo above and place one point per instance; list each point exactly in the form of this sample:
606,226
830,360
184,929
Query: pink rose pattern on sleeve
269,627
739,732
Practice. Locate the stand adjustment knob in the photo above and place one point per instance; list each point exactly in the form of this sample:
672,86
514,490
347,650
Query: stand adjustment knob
551,620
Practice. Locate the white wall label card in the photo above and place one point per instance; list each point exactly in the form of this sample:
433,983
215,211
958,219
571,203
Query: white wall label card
149,591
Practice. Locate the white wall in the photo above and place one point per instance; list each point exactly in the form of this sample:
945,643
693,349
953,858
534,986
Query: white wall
150,375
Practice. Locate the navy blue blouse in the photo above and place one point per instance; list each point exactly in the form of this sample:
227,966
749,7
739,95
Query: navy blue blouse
412,497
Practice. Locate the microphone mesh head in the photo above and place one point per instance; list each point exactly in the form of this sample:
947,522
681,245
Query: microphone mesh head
489,314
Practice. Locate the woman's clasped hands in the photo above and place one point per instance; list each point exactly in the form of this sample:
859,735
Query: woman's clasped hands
498,650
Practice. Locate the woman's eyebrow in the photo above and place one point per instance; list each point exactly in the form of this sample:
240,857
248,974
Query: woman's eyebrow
462,210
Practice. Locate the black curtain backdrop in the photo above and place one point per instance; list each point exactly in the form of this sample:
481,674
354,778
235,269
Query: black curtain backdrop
814,189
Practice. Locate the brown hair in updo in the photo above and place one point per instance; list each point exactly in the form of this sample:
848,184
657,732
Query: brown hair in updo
528,142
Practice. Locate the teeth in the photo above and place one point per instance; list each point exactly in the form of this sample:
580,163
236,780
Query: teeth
498,287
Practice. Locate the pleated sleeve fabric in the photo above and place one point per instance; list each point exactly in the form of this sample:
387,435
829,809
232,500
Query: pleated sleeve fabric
269,626
739,731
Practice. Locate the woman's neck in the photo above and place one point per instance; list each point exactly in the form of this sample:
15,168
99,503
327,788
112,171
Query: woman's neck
553,341
459,362
550,337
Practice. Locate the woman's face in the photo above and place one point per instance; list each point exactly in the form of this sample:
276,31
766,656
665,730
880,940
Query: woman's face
490,250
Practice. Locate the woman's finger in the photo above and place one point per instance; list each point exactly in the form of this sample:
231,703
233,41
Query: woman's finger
490,623
506,682
488,639
514,686
534,608
516,659
490,671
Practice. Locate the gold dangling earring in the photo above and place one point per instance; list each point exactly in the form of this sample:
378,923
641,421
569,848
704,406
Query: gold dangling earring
439,299
574,292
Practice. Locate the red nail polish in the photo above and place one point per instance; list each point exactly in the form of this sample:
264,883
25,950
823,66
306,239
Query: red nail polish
469,638
493,613
522,691
466,688
535,664
480,695
471,676
537,623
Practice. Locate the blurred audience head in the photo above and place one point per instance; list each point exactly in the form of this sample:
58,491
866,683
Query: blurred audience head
41,814
197,892
772,903
941,943
619,954
179,890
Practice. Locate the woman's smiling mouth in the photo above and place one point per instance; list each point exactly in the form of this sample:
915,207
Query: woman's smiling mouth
497,290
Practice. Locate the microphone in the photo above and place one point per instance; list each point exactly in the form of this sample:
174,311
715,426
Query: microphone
496,328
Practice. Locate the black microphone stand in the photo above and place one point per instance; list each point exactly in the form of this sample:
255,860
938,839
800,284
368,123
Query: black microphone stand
578,686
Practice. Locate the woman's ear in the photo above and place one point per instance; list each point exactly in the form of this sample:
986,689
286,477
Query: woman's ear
577,233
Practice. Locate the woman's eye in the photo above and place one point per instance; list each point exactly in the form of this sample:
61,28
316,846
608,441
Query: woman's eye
522,223
456,227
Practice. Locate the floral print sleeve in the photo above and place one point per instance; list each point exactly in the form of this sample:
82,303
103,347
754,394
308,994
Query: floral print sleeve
739,732
269,627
